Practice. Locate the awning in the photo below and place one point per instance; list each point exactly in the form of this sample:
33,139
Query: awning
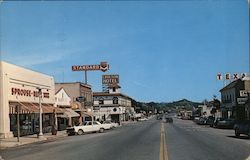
33,108
68,113
88,113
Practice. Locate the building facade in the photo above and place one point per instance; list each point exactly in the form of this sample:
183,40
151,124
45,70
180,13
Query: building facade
232,103
69,117
75,90
113,106
19,93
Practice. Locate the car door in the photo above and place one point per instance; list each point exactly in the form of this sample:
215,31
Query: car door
96,126
88,127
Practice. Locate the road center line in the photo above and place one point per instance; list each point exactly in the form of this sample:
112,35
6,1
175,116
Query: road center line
163,145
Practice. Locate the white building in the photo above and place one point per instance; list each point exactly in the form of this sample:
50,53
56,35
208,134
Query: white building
113,106
19,88
70,117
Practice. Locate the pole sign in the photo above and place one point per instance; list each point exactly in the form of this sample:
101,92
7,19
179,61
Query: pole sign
229,76
110,79
103,66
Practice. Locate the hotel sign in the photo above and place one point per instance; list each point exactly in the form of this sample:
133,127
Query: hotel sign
110,79
103,66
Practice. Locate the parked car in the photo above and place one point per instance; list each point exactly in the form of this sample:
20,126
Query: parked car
159,117
142,119
111,124
242,128
196,119
216,121
226,123
202,121
210,121
86,128
169,120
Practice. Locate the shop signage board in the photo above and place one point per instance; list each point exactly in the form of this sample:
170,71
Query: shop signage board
242,100
244,93
103,66
80,99
110,79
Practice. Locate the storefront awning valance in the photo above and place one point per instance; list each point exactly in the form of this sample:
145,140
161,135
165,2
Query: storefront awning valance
68,113
33,108
88,113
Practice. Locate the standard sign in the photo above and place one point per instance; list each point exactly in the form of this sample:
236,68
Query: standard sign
241,100
110,79
103,67
244,93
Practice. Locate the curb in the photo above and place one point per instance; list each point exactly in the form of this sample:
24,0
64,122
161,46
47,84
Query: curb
48,139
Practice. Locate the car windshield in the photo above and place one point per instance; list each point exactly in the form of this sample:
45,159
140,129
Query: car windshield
124,79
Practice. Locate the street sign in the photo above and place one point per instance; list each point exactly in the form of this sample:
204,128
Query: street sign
242,100
80,99
244,93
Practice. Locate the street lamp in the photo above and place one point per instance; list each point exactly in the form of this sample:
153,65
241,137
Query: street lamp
40,113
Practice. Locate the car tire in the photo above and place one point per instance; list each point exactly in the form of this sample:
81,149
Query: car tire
80,132
237,134
101,130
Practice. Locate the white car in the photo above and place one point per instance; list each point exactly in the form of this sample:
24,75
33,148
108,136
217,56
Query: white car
142,119
86,128
111,124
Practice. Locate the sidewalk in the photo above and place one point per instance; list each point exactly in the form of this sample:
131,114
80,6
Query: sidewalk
12,142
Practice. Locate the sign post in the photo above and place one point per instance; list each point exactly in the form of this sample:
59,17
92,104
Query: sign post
18,123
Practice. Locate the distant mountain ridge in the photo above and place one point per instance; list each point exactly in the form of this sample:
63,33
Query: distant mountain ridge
183,103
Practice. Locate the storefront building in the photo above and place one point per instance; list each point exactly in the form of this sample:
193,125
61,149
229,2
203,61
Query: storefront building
19,90
69,117
75,90
232,102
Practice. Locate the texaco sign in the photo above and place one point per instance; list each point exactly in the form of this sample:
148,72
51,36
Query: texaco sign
103,67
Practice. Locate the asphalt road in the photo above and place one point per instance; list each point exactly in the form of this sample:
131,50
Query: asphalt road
149,140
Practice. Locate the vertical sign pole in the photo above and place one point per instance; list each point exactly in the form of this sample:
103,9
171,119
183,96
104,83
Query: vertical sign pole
86,80
18,123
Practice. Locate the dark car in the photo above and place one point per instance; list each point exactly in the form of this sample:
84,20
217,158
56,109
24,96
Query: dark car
159,117
169,120
210,121
214,124
226,123
202,121
242,128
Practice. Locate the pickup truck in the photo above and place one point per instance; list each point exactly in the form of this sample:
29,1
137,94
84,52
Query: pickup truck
86,128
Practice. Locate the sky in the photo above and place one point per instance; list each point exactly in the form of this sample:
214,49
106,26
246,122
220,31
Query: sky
163,51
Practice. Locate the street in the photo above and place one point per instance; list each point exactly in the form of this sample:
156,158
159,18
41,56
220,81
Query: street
148,140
